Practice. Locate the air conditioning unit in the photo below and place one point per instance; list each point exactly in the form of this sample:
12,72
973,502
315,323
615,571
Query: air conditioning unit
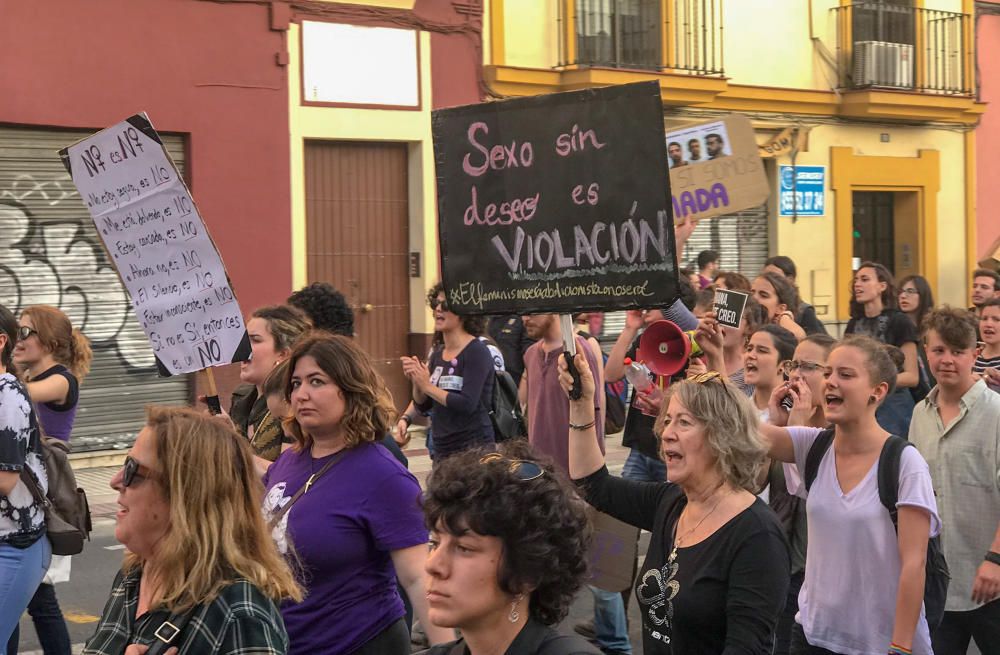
880,63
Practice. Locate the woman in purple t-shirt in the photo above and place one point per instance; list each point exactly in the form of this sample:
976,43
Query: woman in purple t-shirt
357,525
54,357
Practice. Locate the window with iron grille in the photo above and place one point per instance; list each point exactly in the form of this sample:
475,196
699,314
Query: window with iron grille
891,21
619,33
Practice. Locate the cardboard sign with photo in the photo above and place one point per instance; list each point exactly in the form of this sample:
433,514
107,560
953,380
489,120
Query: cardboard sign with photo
715,169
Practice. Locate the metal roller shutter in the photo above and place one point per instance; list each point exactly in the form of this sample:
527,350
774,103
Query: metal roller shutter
740,238
50,254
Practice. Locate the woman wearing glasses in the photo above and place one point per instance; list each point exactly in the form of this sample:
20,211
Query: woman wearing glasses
456,384
24,550
916,300
508,541
199,555
344,510
53,357
716,571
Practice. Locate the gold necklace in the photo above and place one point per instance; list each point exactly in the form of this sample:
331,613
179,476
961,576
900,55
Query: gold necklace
678,540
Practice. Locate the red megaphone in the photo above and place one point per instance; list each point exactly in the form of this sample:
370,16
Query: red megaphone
664,348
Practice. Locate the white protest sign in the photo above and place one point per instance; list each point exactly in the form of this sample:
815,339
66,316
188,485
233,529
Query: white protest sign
729,307
159,246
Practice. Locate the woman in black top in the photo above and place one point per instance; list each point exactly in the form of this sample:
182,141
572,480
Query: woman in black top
716,572
916,300
507,552
875,314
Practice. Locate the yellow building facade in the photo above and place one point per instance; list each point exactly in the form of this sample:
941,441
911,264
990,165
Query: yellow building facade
879,94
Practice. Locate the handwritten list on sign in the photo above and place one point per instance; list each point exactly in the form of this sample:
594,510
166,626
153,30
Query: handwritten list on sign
160,247
556,203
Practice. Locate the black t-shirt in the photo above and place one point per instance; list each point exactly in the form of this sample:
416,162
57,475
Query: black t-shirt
533,639
638,426
722,595
891,327
808,320
72,396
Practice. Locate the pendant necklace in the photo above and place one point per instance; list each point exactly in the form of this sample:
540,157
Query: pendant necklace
678,540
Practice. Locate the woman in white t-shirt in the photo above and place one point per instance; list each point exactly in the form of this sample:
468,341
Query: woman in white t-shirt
864,586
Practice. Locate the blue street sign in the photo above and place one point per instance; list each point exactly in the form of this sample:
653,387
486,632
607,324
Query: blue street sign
806,196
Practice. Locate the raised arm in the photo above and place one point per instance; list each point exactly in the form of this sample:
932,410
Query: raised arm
614,369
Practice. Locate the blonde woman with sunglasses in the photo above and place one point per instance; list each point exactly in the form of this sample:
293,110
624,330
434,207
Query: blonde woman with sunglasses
716,571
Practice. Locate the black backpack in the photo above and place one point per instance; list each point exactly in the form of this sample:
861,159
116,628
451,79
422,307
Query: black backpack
505,409
936,575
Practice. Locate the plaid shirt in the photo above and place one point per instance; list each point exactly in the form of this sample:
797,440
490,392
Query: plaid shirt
240,621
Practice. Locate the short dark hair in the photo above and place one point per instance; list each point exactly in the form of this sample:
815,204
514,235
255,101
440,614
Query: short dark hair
782,338
985,272
326,308
992,302
713,134
542,523
8,326
673,143
782,263
474,325
956,327
706,257
692,140
686,292
824,341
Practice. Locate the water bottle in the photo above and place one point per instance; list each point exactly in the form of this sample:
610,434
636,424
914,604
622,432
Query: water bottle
637,375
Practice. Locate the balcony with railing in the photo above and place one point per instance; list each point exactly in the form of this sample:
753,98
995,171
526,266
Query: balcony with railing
892,45
680,37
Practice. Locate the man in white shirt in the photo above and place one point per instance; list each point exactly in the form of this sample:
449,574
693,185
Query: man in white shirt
957,430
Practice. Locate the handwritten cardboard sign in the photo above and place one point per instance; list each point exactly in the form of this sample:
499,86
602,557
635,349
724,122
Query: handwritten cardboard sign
729,307
612,552
555,203
715,169
158,243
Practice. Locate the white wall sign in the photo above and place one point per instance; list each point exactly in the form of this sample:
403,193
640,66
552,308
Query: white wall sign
159,245
353,64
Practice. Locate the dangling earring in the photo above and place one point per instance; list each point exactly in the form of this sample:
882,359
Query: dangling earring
514,615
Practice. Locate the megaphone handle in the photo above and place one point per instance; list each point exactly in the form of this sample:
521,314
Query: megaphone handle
576,391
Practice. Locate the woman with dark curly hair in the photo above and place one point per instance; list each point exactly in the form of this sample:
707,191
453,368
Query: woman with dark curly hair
716,572
456,384
344,510
508,538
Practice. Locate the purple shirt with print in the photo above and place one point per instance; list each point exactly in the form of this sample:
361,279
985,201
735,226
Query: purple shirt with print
342,532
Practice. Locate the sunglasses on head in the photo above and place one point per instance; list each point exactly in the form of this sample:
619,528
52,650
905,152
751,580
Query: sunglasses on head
24,332
133,470
519,468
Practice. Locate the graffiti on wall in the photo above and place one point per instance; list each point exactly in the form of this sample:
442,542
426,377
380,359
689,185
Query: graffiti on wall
59,261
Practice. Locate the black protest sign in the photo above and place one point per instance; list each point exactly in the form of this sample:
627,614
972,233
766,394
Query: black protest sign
556,203
729,307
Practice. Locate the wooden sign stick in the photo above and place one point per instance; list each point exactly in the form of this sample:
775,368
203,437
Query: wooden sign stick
212,397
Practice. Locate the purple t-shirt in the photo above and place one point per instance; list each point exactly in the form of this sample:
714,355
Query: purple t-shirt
57,419
342,532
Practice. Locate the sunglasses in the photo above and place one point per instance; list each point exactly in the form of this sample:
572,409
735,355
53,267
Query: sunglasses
519,468
133,470
705,378
437,302
24,332
789,366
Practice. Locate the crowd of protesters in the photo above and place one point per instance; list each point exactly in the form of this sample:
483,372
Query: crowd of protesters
786,513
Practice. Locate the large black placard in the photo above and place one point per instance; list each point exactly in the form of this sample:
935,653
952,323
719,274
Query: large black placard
556,203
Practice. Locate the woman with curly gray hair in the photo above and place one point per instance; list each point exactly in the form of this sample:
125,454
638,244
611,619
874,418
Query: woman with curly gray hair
716,571
508,541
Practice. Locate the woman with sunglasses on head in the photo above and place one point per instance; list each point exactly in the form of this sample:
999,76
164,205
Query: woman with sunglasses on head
716,570
456,384
24,550
53,358
344,511
864,583
916,301
509,537
199,556
875,314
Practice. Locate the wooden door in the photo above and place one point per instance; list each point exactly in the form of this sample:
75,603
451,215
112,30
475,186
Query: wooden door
357,215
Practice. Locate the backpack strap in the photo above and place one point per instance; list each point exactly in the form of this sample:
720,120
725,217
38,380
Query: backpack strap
888,475
815,455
